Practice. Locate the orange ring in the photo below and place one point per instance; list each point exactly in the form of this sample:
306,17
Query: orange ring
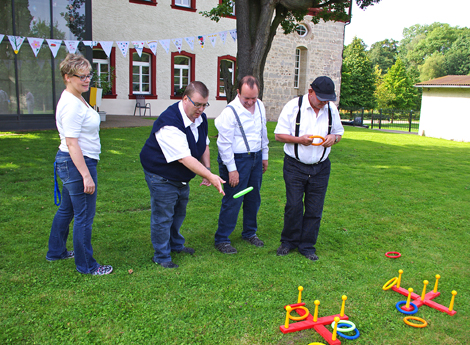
299,318
319,137
417,325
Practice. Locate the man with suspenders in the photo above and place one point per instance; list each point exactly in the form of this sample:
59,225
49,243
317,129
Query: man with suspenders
243,158
306,163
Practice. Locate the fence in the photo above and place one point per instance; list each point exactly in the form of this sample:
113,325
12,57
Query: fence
393,119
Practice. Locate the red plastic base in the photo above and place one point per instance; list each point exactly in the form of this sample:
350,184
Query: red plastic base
318,326
428,300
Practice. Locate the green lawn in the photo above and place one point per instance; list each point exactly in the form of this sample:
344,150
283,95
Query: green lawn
387,192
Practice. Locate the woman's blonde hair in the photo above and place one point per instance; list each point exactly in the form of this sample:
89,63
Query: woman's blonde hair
74,63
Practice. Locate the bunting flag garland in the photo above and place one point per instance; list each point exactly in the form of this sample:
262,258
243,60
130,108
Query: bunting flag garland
178,42
16,42
166,45
213,39
138,46
201,40
71,46
233,33
153,46
223,36
190,42
54,46
1,38
36,44
123,47
90,44
106,45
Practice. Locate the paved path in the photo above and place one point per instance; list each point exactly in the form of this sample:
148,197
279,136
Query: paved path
118,121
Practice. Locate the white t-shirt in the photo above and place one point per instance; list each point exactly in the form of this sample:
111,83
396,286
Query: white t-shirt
74,119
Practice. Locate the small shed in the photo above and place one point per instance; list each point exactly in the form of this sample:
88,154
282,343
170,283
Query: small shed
445,108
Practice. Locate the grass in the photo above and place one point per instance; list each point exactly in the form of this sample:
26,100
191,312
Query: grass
387,192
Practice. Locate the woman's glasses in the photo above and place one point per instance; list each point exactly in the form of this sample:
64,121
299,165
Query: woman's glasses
84,77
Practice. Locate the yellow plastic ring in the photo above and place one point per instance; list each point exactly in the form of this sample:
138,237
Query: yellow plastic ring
417,325
316,344
388,285
299,318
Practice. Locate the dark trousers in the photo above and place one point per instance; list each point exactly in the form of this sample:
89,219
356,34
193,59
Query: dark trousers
306,187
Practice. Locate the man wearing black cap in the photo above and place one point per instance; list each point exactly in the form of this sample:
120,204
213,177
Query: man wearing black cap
306,163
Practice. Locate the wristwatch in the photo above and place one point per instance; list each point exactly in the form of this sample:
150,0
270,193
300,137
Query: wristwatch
336,138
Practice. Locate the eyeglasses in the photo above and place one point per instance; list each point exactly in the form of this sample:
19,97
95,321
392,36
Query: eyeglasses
198,105
84,77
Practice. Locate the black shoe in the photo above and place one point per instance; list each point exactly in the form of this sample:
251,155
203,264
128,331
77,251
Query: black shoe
255,241
168,264
225,248
185,250
70,255
283,250
312,256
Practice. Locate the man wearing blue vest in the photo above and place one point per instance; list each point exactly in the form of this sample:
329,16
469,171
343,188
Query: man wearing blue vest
243,158
176,151
306,163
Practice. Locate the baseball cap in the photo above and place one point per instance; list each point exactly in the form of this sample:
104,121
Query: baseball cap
324,89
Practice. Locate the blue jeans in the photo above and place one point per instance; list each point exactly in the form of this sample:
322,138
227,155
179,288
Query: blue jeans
250,170
75,205
168,200
305,195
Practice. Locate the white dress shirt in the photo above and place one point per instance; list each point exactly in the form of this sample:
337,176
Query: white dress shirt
230,140
311,124
173,142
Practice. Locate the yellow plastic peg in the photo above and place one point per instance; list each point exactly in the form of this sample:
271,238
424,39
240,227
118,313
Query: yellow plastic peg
437,282
400,272
424,290
288,309
336,328
451,307
410,290
344,298
301,288
315,314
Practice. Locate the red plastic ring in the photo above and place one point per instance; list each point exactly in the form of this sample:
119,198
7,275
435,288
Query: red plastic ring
397,255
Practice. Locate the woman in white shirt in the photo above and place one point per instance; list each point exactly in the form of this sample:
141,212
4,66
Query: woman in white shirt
78,125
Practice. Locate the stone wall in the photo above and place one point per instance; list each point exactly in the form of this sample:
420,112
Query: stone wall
321,54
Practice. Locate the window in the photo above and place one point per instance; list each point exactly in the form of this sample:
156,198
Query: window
186,5
144,2
220,80
232,3
297,68
103,67
142,74
302,30
182,71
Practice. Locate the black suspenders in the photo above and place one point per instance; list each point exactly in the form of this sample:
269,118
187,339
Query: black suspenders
297,129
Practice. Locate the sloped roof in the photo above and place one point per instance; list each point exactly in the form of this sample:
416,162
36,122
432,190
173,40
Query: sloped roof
455,81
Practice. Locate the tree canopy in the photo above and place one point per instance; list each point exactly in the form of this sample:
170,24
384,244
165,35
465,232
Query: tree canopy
258,20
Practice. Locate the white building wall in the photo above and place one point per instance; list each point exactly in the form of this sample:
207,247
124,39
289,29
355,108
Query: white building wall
445,113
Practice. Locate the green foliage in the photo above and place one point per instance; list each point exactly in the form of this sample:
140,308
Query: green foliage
400,86
358,81
383,54
385,194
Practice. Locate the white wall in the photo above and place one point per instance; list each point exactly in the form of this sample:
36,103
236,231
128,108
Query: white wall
445,113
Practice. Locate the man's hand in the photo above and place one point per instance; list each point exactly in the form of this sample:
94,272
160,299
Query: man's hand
329,140
306,140
265,165
233,178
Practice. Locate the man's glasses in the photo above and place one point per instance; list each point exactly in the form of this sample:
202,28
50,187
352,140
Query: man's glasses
84,77
198,105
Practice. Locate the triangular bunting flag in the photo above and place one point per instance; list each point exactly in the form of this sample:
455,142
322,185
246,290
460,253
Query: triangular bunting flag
106,45
223,36
71,46
36,44
1,38
166,45
190,41
16,42
153,46
54,46
233,33
201,40
178,42
123,47
213,39
90,44
138,46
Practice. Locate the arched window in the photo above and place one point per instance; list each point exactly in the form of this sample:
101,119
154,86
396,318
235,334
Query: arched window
142,74
182,72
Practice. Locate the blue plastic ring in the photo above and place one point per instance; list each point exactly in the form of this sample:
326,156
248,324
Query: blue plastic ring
411,312
350,337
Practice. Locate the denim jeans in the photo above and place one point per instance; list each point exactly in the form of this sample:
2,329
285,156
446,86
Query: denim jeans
168,200
306,187
250,170
75,205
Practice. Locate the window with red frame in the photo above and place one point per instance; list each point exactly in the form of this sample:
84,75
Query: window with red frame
182,72
144,2
104,65
142,74
185,5
220,80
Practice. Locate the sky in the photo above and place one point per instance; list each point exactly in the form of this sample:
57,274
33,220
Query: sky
388,18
